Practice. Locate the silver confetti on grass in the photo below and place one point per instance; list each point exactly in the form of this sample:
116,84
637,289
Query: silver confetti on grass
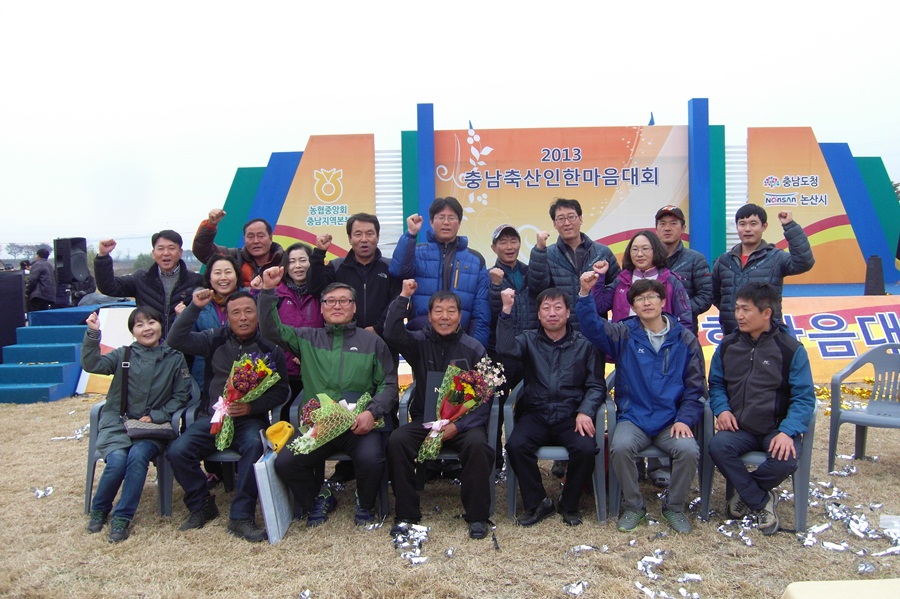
582,548
41,493
843,546
892,551
690,578
576,589
865,568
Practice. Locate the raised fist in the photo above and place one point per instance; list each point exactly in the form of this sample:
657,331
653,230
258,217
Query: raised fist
202,297
785,217
587,281
600,267
409,288
256,283
414,224
105,247
508,297
93,322
215,215
272,277
542,238
323,242
496,276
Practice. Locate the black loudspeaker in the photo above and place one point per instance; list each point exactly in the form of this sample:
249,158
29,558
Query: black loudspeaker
12,305
70,259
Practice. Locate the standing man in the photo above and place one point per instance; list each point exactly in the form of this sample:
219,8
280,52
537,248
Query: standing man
690,265
754,260
560,265
432,349
444,263
221,347
41,286
564,387
660,386
259,251
163,286
761,392
337,359
364,269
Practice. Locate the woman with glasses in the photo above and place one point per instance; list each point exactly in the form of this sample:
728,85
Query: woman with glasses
296,306
645,258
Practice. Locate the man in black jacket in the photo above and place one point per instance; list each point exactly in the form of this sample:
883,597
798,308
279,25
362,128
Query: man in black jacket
564,387
432,349
222,347
163,286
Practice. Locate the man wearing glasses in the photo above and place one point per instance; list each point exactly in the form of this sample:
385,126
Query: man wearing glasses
561,264
660,389
338,359
444,263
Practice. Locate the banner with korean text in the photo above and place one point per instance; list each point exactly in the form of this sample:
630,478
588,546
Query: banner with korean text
335,178
620,175
786,170
834,330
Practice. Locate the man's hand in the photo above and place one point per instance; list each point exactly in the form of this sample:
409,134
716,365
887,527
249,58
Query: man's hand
542,238
681,431
409,288
364,423
414,224
105,247
256,283
600,267
727,422
179,308
202,297
272,277
584,425
93,322
587,281
238,409
450,431
323,242
215,216
508,297
781,447
785,217
496,276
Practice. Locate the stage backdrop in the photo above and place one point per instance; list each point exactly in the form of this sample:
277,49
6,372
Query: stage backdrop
620,175
335,178
834,330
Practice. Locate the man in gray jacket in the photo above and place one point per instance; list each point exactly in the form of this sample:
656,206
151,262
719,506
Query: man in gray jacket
41,285
563,389
754,260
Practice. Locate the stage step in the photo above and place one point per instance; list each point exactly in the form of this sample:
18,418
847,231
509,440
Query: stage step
38,353
50,334
43,366
32,393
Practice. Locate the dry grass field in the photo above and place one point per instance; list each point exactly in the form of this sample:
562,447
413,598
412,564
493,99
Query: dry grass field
47,553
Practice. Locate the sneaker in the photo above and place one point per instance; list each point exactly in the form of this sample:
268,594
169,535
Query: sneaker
736,507
363,516
199,518
571,518
246,528
98,519
118,529
478,530
629,520
531,517
323,505
677,520
559,468
766,518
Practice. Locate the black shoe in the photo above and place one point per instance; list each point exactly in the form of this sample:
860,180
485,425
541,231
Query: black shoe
363,517
572,518
401,527
199,518
247,529
98,519
531,517
478,530
118,529
323,505
559,468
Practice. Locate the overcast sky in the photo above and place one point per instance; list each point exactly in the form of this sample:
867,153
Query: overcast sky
118,119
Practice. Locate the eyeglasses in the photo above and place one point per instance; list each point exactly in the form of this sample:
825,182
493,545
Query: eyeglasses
646,299
561,220
641,250
443,218
343,302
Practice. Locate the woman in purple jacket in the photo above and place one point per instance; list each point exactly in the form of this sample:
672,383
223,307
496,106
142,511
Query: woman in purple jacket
297,307
645,258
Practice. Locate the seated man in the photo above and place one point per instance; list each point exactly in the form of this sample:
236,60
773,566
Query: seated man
337,359
564,387
761,391
660,385
433,349
221,347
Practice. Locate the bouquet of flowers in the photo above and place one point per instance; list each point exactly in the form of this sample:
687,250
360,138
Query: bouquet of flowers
324,419
251,376
461,392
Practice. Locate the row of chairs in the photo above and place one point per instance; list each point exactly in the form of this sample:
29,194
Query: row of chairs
882,410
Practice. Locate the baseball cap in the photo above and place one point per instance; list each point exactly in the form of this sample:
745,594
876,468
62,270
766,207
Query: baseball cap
670,211
504,228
